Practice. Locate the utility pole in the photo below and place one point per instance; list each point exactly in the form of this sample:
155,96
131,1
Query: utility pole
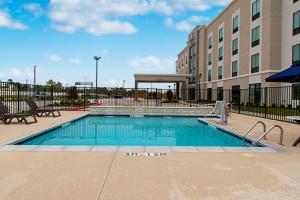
34,81
34,76
124,83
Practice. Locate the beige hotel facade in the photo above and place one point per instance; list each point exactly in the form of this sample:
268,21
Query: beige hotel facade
246,43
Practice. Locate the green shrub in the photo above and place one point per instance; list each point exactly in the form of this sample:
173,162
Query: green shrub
169,95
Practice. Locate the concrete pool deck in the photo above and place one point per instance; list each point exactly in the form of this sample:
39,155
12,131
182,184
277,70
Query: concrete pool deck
183,176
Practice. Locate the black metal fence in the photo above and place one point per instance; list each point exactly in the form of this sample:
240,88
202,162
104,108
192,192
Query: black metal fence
271,103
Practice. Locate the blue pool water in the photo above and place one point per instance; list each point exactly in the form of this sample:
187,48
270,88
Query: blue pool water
127,131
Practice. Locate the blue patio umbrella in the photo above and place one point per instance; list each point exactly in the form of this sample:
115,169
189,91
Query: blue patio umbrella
290,75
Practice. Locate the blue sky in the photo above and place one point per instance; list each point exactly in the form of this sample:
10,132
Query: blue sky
62,36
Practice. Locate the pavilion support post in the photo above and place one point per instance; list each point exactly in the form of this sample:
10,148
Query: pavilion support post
177,90
136,85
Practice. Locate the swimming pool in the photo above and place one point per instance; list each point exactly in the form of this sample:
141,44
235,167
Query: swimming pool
136,131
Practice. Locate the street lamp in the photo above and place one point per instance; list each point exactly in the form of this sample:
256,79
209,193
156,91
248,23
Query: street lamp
97,58
34,76
124,83
34,81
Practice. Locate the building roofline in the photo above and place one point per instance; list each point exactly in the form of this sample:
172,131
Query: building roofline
165,75
184,49
221,13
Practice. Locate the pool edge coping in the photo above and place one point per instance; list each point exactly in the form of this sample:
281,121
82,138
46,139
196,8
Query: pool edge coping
36,133
10,146
237,134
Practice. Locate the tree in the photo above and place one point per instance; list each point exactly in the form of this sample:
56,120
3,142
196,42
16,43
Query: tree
58,85
73,93
169,95
50,83
10,81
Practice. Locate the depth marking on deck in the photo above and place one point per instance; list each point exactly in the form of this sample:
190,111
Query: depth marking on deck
134,154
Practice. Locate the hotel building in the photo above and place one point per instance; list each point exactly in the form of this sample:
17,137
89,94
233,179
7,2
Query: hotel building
246,43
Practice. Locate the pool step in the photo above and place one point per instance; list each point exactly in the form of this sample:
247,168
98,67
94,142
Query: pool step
137,116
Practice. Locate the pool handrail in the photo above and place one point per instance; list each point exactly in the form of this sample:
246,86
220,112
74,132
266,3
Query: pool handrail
268,131
252,127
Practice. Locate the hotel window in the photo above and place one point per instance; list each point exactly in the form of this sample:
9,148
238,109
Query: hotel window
209,75
235,93
220,72
235,46
255,10
209,94
255,94
209,59
255,36
220,93
296,53
235,24
220,53
255,63
234,68
210,42
221,34
296,23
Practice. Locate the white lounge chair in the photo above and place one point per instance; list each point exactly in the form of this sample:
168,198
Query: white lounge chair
296,142
294,118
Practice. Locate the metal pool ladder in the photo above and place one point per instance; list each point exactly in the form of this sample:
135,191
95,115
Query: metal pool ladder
252,127
264,135
268,131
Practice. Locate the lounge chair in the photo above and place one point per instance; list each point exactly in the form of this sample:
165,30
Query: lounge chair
296,142
34,109
294,118
7,117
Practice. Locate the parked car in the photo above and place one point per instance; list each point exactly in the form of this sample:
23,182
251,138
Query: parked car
42,95
118,95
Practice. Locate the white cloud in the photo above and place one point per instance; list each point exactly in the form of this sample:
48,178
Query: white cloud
187,24
114,83
152,64
101,17
75,61
54,58
105,52
34,8
169,22
7,22
16,74
184,26
199,19
94,17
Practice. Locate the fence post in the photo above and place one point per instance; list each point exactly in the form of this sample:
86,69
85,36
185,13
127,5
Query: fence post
52,96
18,97
156,95
266,95
147,96
84,104
240,92
190,100
45,95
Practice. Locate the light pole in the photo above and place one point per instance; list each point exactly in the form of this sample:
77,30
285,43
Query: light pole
34,76
34,81
97,58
